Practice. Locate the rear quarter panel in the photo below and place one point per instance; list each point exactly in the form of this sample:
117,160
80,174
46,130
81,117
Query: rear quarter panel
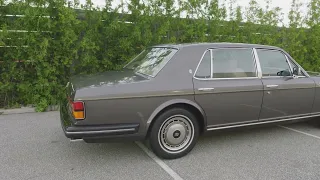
122,111
136,102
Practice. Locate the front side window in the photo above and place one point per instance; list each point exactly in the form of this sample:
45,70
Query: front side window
151,60
273,63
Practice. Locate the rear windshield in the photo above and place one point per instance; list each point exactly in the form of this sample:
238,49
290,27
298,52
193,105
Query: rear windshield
150,61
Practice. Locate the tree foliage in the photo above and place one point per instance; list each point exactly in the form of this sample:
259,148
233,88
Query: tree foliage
44,42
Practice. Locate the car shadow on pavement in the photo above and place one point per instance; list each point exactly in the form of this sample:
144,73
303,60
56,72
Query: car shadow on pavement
250,130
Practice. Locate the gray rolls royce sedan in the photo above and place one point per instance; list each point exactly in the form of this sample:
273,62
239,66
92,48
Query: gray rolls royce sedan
171,94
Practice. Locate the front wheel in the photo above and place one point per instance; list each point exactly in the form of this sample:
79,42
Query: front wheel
174,133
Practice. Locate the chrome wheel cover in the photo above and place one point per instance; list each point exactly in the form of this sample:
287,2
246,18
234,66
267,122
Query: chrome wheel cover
176,134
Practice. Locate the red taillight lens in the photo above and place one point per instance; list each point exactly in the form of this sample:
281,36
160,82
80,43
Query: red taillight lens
77,109
78,106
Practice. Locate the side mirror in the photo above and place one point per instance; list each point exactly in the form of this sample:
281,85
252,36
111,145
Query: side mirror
296,71
284,73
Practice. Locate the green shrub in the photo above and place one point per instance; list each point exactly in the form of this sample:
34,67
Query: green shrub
58,40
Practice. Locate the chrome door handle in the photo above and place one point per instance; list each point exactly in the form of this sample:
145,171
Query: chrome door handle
205,89
272,86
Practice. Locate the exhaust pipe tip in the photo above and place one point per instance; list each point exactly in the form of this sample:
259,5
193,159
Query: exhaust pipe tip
76,140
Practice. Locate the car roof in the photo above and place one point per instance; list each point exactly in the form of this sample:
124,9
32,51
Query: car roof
212,45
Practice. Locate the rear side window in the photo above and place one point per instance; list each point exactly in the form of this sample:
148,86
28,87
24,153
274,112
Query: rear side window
233,63
204,69
273,63
227,63
151,61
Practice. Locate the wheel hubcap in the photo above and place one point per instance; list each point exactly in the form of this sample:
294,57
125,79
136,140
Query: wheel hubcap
176,133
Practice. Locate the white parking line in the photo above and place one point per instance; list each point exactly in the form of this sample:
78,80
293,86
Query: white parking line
163,165
301,132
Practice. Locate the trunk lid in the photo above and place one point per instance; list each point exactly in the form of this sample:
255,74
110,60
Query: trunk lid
109,78
105,78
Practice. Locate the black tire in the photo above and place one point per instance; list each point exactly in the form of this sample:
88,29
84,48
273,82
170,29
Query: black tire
315,121
182,118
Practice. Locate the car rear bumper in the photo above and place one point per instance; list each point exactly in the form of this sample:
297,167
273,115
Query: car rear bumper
73,131
82,132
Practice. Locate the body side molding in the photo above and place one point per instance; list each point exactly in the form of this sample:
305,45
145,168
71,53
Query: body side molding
263,122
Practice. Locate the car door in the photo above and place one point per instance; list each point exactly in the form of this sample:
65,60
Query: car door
285,95
227,86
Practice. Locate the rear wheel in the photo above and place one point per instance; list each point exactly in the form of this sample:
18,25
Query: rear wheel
174,133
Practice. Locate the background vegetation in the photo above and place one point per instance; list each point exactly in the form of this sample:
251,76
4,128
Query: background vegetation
43,42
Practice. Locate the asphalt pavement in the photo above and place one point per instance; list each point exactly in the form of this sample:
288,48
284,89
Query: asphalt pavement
33,146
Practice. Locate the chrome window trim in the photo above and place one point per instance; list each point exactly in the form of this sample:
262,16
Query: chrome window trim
302,76
291,70
236,78
254,62
213,79
257,63
195,72
267,77
211,64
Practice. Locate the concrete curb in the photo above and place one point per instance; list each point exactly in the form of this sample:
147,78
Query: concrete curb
17,111
23,110
52,108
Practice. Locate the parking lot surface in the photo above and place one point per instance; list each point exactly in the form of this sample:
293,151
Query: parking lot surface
33,146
